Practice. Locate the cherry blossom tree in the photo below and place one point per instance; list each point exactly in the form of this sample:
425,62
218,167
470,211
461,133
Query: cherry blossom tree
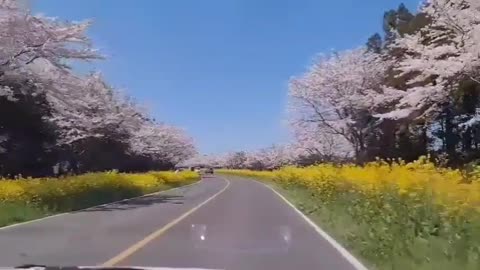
385,102
271,157
235,160
162,142
276,156
317,143
338,96
35,49
437,57
92,109
34,61
26,38
204,161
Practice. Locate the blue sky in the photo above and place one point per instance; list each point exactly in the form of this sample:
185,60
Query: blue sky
219,69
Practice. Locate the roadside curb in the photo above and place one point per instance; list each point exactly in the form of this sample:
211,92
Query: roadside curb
105,204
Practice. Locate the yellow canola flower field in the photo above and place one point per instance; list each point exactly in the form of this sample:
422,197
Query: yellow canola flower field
75,192
447,187
393,215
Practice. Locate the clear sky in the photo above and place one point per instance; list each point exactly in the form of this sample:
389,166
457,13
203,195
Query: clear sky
219,69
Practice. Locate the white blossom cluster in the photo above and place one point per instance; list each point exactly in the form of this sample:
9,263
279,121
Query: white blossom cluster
341,94
36,50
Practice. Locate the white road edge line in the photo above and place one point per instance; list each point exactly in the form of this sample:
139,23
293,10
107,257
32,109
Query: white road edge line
105,204
345,253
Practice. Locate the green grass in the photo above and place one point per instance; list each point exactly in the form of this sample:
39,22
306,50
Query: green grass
382,244
11,213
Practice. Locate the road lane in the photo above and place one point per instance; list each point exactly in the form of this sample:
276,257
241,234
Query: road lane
247,227
92,236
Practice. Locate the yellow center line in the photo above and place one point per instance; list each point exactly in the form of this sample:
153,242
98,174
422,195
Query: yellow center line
140,244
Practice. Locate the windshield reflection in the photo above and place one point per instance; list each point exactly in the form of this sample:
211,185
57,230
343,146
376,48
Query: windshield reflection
277,240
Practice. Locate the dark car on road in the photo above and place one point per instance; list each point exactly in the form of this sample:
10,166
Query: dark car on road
209,170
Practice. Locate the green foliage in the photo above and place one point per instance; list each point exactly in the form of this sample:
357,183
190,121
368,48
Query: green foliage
387,234
401,21
20,212
374,43
30,143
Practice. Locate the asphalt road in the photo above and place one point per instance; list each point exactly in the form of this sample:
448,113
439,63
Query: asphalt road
233,224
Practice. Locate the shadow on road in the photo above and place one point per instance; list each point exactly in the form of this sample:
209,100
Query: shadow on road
138,202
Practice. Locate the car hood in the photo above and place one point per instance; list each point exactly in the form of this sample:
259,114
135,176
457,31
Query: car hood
99,268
